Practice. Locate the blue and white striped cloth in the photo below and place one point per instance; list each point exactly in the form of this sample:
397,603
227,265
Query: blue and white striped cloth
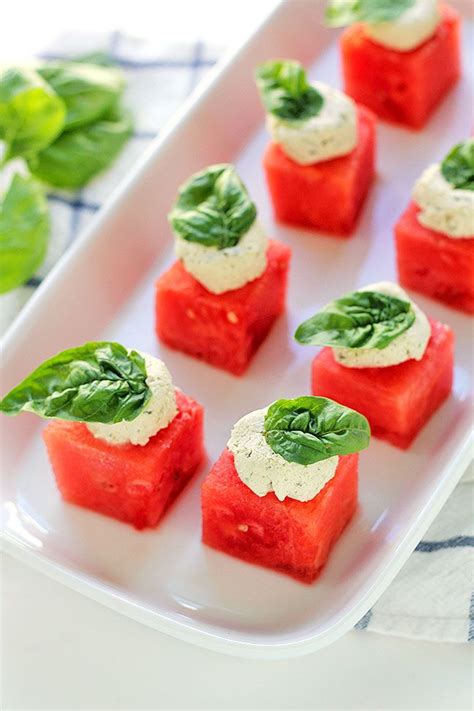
431,598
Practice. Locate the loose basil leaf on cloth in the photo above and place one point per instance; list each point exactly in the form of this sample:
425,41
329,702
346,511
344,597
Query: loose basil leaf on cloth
286,92
78,155
96,382
31,113
309,429
24,231
458,166
87,90
340,13
362,319
213,208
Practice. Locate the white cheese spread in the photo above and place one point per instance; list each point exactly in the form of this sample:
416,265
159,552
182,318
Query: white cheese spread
409,30
263,470
158,413
411,344
329,134
444,208
220,270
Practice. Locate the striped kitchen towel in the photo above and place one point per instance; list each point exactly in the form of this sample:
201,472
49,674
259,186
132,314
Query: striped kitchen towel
432,597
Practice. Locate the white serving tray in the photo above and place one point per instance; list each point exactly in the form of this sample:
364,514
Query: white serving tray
103,288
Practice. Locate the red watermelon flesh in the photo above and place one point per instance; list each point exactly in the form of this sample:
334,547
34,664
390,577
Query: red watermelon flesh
434,264
131,483
226,329
325,196
403,87
289,536
398,400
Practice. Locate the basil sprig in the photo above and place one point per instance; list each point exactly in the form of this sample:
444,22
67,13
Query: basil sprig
309,429
213,208
340,13
362,319
458,166
286,92
96,382
24,231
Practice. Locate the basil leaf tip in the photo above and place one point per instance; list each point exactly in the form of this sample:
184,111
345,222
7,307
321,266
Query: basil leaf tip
458,166
213,208
97,382
361,319
309,429
286,92
340,13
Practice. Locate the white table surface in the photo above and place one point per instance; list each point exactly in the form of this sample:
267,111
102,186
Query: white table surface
63,651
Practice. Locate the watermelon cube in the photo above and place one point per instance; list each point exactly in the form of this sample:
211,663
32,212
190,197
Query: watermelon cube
402,87
225,329
397,400
131,483
434,264
289,536
306,195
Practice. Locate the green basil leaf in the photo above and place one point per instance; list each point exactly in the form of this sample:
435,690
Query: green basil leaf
309,429
24,231
213,208
362,319
340,13
87,90
31,113
286,92
458,166
78,155
96,382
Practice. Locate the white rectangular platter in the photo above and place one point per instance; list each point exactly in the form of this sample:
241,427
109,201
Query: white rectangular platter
103,288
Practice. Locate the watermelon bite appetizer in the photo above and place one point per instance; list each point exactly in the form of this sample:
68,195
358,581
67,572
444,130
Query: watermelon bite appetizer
435,235
219,301
322,151
383,356
285,487
399,58
122,441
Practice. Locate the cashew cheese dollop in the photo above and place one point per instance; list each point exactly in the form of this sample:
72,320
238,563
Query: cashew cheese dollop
444,208
409,30
220,270
263,470
160,410
329,134
411,344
